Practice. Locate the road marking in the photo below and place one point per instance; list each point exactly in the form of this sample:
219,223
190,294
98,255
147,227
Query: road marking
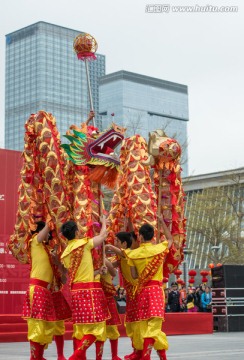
210,353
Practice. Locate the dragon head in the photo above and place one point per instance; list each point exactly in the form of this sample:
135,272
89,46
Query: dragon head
162,149
96,150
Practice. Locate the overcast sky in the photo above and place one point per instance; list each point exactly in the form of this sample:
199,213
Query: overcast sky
203,50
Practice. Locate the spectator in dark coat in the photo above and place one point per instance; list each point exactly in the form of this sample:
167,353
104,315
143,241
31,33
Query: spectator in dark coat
174,298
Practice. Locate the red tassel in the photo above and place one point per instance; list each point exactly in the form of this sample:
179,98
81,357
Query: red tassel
97,173
110,178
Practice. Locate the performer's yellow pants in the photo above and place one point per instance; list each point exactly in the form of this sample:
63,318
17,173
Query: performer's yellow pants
139,330
96,329
112,332
42,332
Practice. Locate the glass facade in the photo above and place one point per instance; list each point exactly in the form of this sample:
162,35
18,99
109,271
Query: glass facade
143,104
223,191
43,73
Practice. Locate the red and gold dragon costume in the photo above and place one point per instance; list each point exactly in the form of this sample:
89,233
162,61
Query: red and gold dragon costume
60,182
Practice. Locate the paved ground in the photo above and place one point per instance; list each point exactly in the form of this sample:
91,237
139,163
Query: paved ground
219,346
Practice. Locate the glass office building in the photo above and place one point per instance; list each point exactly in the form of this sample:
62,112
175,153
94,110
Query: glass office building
143,104
222,211
43,73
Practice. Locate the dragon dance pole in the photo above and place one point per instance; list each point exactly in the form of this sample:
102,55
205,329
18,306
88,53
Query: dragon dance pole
85,47
101,214
159,205
89,90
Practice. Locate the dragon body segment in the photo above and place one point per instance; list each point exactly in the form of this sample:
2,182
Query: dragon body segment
42,190
134,201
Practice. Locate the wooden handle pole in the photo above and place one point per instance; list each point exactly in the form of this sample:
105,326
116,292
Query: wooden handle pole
159,205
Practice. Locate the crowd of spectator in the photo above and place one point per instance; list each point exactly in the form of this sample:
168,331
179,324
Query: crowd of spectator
192,299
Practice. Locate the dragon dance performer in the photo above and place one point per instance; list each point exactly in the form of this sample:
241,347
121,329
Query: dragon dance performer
124,241
43,318
147,266
60,304
89,305
106,279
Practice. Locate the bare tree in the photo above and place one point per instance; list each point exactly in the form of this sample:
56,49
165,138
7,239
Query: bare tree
215,219
134,125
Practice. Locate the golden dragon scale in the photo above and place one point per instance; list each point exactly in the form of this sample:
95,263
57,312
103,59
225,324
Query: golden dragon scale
42,190
134,200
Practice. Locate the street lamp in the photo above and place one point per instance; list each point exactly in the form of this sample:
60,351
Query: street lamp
184,264
215,247
187,251
215,250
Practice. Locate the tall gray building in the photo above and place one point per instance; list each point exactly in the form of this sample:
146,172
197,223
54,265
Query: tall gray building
143,104
43,73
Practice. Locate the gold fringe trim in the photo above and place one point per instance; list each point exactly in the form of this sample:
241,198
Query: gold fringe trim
149,272
108,288
76,257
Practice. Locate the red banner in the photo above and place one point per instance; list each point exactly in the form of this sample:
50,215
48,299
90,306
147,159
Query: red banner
13,275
